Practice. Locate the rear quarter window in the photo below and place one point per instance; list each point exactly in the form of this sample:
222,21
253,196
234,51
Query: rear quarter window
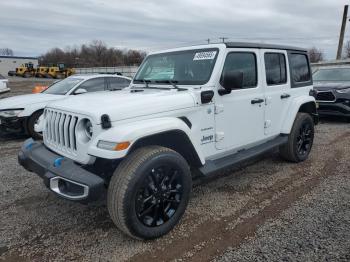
300,69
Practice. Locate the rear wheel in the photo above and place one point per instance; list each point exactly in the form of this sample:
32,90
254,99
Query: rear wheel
149,192
33,120
300,139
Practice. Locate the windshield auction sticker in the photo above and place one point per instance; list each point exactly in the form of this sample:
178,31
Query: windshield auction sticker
204,55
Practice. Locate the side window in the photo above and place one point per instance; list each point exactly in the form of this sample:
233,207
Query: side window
93,85
118,82
244,62
300,68
275,66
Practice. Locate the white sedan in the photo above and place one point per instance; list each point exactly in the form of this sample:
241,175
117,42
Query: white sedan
21,113
3,85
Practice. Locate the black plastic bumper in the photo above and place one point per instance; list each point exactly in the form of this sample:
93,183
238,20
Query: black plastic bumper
72,178
334,109
12,124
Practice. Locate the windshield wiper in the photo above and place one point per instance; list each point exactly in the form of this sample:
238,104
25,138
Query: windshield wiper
146,82
172,82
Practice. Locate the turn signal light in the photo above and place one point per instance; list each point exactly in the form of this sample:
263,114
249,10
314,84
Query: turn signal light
122,146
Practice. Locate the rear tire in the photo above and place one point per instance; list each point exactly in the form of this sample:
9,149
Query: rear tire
33,119
300,140
149,192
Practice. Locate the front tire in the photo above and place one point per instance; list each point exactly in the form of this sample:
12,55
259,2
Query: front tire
149,192
300,140
33,119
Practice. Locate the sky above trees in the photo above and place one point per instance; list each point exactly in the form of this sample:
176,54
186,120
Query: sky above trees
33,27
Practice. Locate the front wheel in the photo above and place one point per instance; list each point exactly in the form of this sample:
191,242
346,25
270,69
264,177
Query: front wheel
149,192
33,120
300,139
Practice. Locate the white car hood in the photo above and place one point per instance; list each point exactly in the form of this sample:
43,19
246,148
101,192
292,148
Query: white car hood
24,100
121,105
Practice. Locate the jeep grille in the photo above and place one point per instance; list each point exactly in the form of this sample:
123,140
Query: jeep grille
59,133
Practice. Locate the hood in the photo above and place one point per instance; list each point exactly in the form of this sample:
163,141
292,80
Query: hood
25,100
325,86
125,104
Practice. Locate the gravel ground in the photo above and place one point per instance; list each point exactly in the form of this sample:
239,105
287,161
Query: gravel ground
269,210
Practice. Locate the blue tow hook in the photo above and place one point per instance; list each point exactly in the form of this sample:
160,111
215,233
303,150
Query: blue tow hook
58,162
29,146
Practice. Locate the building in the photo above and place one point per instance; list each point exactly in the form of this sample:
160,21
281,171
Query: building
9,63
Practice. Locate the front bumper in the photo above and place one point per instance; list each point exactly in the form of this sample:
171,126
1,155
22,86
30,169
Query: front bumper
12,124
338,108
61,175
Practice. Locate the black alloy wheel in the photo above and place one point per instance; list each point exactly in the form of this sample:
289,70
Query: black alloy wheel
160,195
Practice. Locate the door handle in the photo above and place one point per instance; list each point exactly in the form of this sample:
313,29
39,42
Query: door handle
284,96
257,101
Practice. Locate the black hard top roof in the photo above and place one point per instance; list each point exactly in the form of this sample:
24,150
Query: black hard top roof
263,46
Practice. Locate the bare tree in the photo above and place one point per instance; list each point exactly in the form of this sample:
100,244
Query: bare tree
316,55
6,51
96,53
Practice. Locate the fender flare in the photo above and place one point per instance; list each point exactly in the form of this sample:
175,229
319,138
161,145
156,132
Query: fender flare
293,109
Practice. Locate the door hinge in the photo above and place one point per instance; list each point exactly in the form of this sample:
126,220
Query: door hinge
219,109
267,123
219,136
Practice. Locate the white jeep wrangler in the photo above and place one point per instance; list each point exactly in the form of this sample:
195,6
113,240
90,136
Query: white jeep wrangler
189,112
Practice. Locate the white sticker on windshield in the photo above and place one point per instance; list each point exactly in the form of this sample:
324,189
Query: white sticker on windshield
204,55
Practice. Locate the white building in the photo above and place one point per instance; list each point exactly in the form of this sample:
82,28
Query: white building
9,63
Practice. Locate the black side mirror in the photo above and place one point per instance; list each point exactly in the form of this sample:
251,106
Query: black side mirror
231,80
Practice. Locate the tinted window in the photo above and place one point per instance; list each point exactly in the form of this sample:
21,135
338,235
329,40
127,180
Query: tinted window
190,67
118,82
332,74
300,68
275,66
93,85
245,63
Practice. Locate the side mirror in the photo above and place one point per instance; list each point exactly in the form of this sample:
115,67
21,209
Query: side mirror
80,91
231,80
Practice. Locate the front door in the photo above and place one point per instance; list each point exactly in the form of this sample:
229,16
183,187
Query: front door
239,116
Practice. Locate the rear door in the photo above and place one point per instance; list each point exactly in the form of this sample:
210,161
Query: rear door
239,116
115,83
277,89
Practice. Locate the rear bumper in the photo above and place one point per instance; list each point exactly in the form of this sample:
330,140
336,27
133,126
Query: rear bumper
61,175
334,109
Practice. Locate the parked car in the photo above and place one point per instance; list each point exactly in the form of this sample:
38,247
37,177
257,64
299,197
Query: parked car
189,112
21,113
3,85
332,91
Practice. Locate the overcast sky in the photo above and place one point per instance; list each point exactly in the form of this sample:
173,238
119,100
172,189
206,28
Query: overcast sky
32,27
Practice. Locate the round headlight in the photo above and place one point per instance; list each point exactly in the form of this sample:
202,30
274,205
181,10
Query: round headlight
88,128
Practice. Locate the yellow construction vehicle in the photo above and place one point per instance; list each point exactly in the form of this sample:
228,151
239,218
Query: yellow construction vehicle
41,71
59,71
25,70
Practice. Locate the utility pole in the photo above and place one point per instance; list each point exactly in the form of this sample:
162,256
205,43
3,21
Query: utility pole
223,39
342,32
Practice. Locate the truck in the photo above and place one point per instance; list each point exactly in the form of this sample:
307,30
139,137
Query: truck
188,114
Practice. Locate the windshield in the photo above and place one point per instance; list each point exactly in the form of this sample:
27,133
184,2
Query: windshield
191,67
332,74
62,87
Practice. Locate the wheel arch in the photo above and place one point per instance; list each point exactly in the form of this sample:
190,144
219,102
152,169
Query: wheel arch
301,105
176,140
